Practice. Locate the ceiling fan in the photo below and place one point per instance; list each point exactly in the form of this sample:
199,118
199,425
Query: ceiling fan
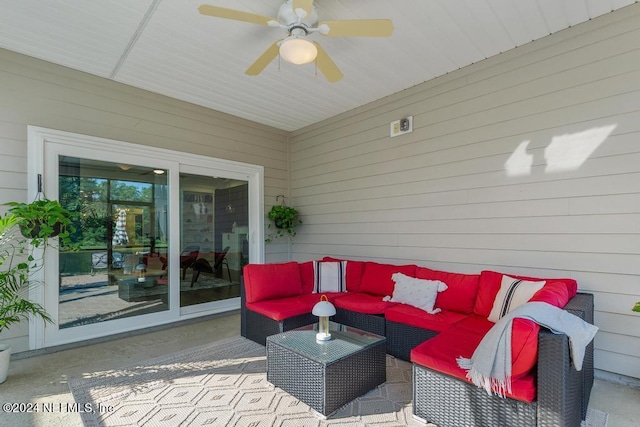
300,19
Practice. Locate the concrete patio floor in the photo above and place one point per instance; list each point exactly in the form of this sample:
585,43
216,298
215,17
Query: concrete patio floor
43,378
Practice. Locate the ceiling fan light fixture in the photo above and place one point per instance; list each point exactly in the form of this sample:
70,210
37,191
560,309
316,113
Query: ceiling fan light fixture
298,51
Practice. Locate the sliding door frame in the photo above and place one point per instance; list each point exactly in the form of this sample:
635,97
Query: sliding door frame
44,148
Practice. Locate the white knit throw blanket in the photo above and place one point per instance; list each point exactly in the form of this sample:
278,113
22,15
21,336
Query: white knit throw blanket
490,365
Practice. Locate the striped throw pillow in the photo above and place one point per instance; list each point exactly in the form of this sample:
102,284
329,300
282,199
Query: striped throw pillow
513,293
329,276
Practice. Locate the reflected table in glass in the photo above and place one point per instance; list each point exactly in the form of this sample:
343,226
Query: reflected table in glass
326,375
130,289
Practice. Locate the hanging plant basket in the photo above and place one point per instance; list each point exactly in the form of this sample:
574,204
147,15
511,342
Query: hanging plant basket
43,219
285,219
35,229
283,223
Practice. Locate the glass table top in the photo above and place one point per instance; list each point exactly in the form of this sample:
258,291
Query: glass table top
345,341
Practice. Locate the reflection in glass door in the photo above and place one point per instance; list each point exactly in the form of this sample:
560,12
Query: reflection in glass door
214,244
120,269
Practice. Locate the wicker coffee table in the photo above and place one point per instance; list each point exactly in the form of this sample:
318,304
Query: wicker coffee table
326,375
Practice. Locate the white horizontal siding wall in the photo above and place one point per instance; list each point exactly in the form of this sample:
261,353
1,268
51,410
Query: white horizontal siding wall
34,92
528,162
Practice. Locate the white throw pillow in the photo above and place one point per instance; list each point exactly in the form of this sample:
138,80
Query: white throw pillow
329,276
513,293
419,293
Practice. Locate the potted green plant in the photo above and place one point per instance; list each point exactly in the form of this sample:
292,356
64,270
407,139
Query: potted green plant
15,265
285,219
42,219
636,307
37,221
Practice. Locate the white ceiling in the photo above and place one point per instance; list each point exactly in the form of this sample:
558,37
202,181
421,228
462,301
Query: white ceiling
167,47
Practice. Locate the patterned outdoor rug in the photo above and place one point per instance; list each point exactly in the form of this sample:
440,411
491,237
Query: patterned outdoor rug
204,282
224,384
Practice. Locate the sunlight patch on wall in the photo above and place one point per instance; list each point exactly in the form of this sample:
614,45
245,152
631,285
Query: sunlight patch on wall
520,162
565,152
568,152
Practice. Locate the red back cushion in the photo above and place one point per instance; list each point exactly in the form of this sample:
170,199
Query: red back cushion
376,279
524,338
355,269
554,293
306,276
524,346
462,289
269,281
490,282
524,335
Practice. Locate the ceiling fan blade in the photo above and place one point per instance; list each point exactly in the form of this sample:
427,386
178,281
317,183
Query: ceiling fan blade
263,60
327,67
307,5
358,28
237,15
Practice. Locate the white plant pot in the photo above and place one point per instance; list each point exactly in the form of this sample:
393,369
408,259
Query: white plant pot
5,355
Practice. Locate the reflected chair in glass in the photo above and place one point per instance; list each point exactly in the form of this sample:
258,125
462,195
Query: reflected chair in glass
202,266
188,256
99,261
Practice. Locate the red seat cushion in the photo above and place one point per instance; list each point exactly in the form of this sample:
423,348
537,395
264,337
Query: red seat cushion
409,315
462,289
270,281
440,354
354,272
475,324
283,308
363,303
490,282
524,340
376,279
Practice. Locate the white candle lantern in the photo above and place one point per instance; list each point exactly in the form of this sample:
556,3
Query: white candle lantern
323,309
141,269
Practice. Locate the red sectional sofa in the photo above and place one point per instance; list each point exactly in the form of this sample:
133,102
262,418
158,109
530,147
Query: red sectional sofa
546,389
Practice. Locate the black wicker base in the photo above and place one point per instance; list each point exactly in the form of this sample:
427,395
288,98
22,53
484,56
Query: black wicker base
450,402
582,306
259,327
401,339
374,323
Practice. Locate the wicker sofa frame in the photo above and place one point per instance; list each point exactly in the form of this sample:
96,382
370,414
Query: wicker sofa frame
563,393
401,338
258,327
374,323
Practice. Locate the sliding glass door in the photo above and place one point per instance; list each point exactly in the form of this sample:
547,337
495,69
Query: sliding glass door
119,269
214,231
159,235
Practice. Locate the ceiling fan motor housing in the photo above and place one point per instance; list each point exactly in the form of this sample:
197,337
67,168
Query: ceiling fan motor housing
288,16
